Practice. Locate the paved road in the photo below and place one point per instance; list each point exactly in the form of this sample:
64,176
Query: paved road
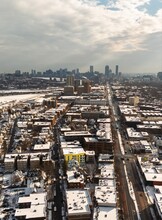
126,203
143,205
129,158
58,199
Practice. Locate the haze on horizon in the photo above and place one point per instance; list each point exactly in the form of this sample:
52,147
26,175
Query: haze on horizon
78,33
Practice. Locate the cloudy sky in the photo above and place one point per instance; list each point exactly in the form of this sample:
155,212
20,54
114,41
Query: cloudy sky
43,34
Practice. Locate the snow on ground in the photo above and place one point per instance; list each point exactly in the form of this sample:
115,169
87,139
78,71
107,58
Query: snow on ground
131,192
6,99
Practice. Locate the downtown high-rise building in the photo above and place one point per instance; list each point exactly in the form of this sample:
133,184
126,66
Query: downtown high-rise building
107,70
91,69
117,70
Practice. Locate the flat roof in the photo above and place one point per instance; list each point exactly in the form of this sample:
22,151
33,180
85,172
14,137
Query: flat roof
105,195
42,123
80,120
90,153
149,126
70,144
35,211
104,213
73,113
158,188
65,129
42,146
128,110
145,143
132,119
68,97
152,172
72,179
104,132
158,197
152,122
107,182
22,124
37,206
77,133
11,157
78,202
107,171
34,198
90,139
155,177
77,150
132,133
103,120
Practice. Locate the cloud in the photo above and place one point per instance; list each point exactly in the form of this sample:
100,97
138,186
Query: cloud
73,33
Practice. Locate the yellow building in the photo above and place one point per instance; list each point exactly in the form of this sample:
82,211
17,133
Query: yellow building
77,154
134,100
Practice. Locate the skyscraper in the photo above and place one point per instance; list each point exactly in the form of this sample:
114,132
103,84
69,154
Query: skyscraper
91,69
116,70
77,71
107,70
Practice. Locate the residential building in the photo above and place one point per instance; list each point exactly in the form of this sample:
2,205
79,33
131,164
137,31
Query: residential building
79,205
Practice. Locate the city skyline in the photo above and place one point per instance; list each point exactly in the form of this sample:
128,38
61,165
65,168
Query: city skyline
80,33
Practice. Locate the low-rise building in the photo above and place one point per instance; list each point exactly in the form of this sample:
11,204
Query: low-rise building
38,125
75,179
158,200
9,163
106,171
77,154
105,196
69,90
104,213
24,161
42,147
151,171
79,205
32,207
76,135
135,135
99,144
151,129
